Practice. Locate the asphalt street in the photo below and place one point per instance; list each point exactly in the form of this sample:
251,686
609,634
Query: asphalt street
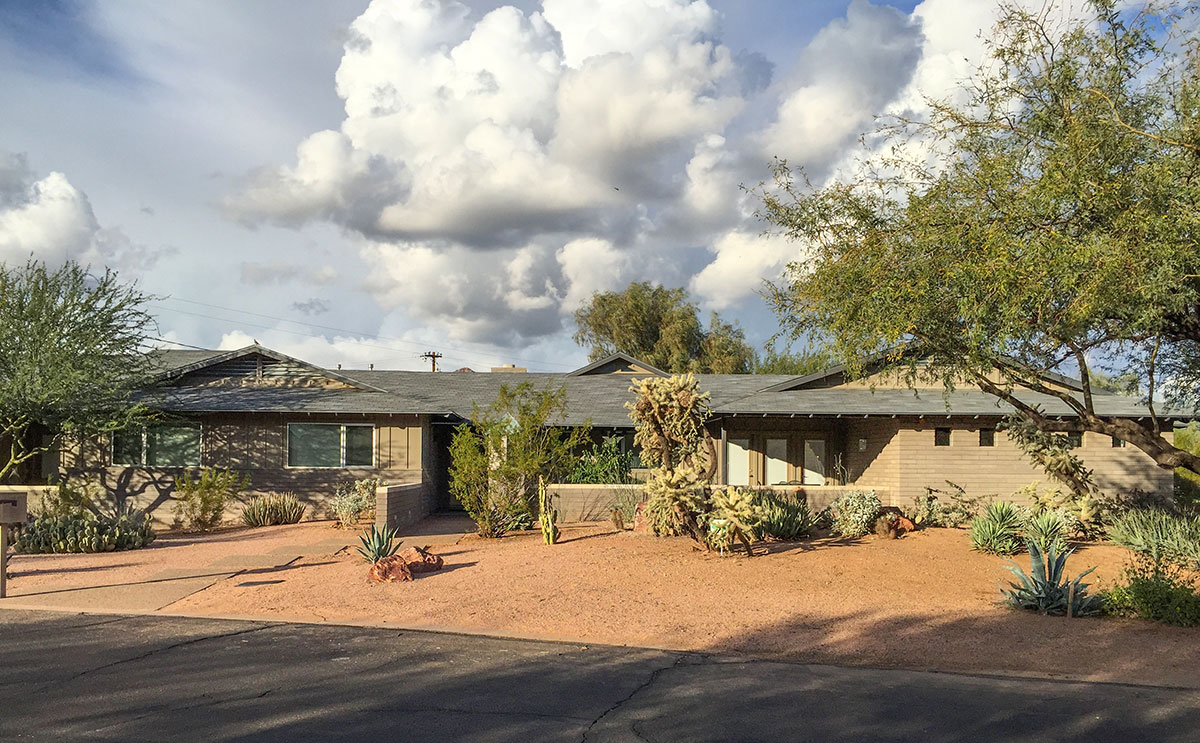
74,677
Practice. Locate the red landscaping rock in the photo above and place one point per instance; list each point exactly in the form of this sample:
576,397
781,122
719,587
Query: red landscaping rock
421,560
392,569
892,523
640,525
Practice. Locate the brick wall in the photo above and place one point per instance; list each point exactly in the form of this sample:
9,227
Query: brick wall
397,506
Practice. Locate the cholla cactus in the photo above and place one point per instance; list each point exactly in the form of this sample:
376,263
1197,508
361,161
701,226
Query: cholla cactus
670,413
735,515
547,514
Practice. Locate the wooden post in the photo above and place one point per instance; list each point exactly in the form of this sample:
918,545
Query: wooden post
1070,598
3,560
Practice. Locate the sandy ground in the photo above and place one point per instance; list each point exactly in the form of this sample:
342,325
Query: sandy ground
924,601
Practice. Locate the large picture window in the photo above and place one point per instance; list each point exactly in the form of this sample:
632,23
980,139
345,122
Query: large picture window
330,445
174,444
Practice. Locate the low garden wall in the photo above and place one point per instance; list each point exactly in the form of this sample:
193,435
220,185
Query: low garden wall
34,494
820,497
397,506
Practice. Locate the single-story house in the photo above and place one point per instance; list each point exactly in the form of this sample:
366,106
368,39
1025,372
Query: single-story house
293,426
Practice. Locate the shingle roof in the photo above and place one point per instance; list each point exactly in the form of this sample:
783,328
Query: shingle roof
598,398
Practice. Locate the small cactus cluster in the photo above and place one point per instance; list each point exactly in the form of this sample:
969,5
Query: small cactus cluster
84,532
547,514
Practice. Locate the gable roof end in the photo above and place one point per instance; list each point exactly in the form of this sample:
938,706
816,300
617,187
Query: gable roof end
220,358
593,367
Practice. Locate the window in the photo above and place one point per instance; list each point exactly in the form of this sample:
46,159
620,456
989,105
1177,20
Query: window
776,465
737,462
175,444
1118,443
330,445
987,437
941,437
1075,440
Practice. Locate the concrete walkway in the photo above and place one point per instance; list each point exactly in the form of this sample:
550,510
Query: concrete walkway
78,677
158,591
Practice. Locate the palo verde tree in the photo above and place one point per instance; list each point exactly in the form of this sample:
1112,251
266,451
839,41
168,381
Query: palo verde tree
71,356
661,327
1047,219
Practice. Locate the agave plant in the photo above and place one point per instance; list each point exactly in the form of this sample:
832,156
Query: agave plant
1047,530
378,543
784,518
998,530
1044,589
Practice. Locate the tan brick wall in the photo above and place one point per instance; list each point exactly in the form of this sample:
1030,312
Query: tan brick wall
254,444
589,502
879,464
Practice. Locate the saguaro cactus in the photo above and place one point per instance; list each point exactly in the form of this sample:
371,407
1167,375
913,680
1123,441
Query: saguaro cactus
547,513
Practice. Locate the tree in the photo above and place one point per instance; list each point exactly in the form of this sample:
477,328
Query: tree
1049,220
795,363
661,327
71,357
497,458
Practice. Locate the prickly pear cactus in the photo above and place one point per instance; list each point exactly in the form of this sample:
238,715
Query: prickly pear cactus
547,514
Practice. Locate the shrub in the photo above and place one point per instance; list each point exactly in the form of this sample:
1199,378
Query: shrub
1160,535
1047,530
734,515
998,530
625,504
1046,591
604,464
273,509
949,508
201,502
354,500
1158,591
378,543
84,531
855,512
784,518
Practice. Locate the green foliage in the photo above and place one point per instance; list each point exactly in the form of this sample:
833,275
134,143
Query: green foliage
200,503
378,543
1052,452
1187,483
734,514
951,507
1045,215
272,509
1047,531
71,356
1163,536
784,518
998,530
497,458
354,500
84,531
1046,590
794,363
604,464
854,513
661,327
547,515
1158,591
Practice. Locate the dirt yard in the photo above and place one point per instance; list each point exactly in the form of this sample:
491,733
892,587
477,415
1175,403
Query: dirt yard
924,601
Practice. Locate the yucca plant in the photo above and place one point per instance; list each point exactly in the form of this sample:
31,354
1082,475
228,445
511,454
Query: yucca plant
783,518
378,543
998,530
1048,530
1044,589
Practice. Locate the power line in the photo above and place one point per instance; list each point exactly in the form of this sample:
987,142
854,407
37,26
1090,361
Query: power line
433,356
355,332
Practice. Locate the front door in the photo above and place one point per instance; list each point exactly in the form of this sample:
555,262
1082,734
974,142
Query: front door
814,461
737,462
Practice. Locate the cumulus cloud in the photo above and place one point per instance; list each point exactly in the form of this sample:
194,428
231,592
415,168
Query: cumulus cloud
264,274
498,169
51,220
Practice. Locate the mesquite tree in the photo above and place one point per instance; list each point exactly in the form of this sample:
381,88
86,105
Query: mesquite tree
1046,220
72,352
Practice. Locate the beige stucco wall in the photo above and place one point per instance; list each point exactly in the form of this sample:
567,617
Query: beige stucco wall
254,444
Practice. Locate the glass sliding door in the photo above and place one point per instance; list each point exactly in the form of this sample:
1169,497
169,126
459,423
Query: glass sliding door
737,462
814,461
776,471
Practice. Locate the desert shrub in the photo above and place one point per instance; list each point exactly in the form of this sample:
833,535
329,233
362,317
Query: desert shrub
72,497
854,513
604,464
377,543
273,509
201,502
84,531
951,507
784,518
1047,530
1084,516
624,505
734,515
354,500
1187,483
1046,590
1155,590
1160,535
997,531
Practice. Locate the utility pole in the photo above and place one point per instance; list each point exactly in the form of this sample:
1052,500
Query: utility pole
433,356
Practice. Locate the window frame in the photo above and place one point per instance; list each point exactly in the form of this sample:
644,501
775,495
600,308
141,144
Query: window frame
1118,442
287,444
143,431
937,435
991,437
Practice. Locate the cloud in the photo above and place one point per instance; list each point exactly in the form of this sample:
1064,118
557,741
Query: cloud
744,260
312,306
265,274
51,220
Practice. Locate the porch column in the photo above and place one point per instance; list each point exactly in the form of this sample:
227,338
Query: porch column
724,459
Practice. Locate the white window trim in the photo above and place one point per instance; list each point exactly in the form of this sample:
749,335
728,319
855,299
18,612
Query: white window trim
112,451
287,438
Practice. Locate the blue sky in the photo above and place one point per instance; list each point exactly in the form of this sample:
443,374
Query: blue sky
355,183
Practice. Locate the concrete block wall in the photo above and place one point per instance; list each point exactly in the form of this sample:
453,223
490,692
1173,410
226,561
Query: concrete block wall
589,502
397,506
